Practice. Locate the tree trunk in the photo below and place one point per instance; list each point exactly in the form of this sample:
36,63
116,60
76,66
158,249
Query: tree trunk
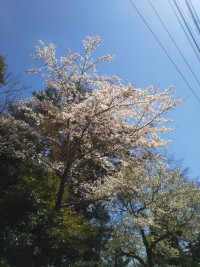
149,258
61,190
60,194
150,262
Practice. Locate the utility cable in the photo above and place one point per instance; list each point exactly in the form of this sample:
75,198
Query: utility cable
174,42
197,18
145,22
192,13
197,55
187,26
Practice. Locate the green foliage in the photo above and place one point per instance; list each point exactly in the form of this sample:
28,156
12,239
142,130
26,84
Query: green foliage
32,233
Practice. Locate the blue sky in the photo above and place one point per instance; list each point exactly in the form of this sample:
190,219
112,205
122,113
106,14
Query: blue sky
139,58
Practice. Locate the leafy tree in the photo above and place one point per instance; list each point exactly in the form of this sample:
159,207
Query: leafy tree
32,233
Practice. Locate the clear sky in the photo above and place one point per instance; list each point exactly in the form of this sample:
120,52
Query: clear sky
139,58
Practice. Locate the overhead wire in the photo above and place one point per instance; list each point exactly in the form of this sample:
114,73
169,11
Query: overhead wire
197,18
187,26
186,34
193,14
174,42
145,22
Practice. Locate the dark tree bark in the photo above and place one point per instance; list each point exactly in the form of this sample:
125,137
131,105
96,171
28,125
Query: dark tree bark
61,190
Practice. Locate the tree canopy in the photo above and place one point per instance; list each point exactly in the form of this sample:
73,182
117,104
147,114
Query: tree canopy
84,181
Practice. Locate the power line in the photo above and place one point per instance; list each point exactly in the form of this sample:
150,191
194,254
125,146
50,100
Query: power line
187,26
145,22
197,18
174,42
193,14
197,55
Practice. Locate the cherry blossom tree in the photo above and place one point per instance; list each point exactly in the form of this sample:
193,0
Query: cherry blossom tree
154,214
84,123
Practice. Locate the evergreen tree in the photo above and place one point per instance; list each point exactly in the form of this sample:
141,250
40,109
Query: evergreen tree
31,232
